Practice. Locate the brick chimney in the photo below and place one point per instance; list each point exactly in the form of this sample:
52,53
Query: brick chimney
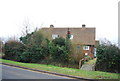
83,25
51,26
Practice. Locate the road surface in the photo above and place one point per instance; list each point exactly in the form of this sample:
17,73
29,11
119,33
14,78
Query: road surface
9,72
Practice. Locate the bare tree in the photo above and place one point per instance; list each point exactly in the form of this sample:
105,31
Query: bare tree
25,28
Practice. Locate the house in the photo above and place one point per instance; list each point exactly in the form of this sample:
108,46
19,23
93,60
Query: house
79,35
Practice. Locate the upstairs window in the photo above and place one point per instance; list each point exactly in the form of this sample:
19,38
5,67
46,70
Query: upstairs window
86,47
71,37
55,36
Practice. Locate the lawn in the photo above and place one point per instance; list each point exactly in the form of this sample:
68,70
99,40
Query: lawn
64,70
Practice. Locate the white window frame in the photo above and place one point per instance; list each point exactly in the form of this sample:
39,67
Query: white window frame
86,47
71,37
55,36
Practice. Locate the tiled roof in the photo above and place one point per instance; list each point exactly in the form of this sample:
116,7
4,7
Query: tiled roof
81,34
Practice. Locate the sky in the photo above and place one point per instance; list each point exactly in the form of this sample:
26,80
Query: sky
101,14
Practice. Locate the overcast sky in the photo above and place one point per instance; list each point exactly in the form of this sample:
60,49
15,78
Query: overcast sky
101,14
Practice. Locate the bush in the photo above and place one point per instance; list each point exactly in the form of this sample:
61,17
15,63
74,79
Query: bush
108,58
37,48
60,50
32,54
59,41
13,49
87,58
34,38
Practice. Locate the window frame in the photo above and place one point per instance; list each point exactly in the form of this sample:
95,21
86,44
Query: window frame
54,36
86,47
71,37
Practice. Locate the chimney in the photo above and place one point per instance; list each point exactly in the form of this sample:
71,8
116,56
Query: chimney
83,25
51,26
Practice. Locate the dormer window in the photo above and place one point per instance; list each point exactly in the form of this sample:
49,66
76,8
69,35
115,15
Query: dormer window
55,36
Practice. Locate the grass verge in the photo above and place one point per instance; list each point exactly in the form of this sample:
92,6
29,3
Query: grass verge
64,70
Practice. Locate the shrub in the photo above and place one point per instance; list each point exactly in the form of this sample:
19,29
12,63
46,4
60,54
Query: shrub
87,58
37,47
108,58
59,41
13,49
60,50
77,52
34,38
32,54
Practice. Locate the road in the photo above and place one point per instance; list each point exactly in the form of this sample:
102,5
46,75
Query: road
9,72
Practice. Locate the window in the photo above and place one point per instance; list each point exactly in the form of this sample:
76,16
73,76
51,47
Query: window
78,49
86,47
95,52
71,37
55,36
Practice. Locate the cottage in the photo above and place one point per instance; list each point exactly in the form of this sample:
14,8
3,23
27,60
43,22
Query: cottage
79,35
